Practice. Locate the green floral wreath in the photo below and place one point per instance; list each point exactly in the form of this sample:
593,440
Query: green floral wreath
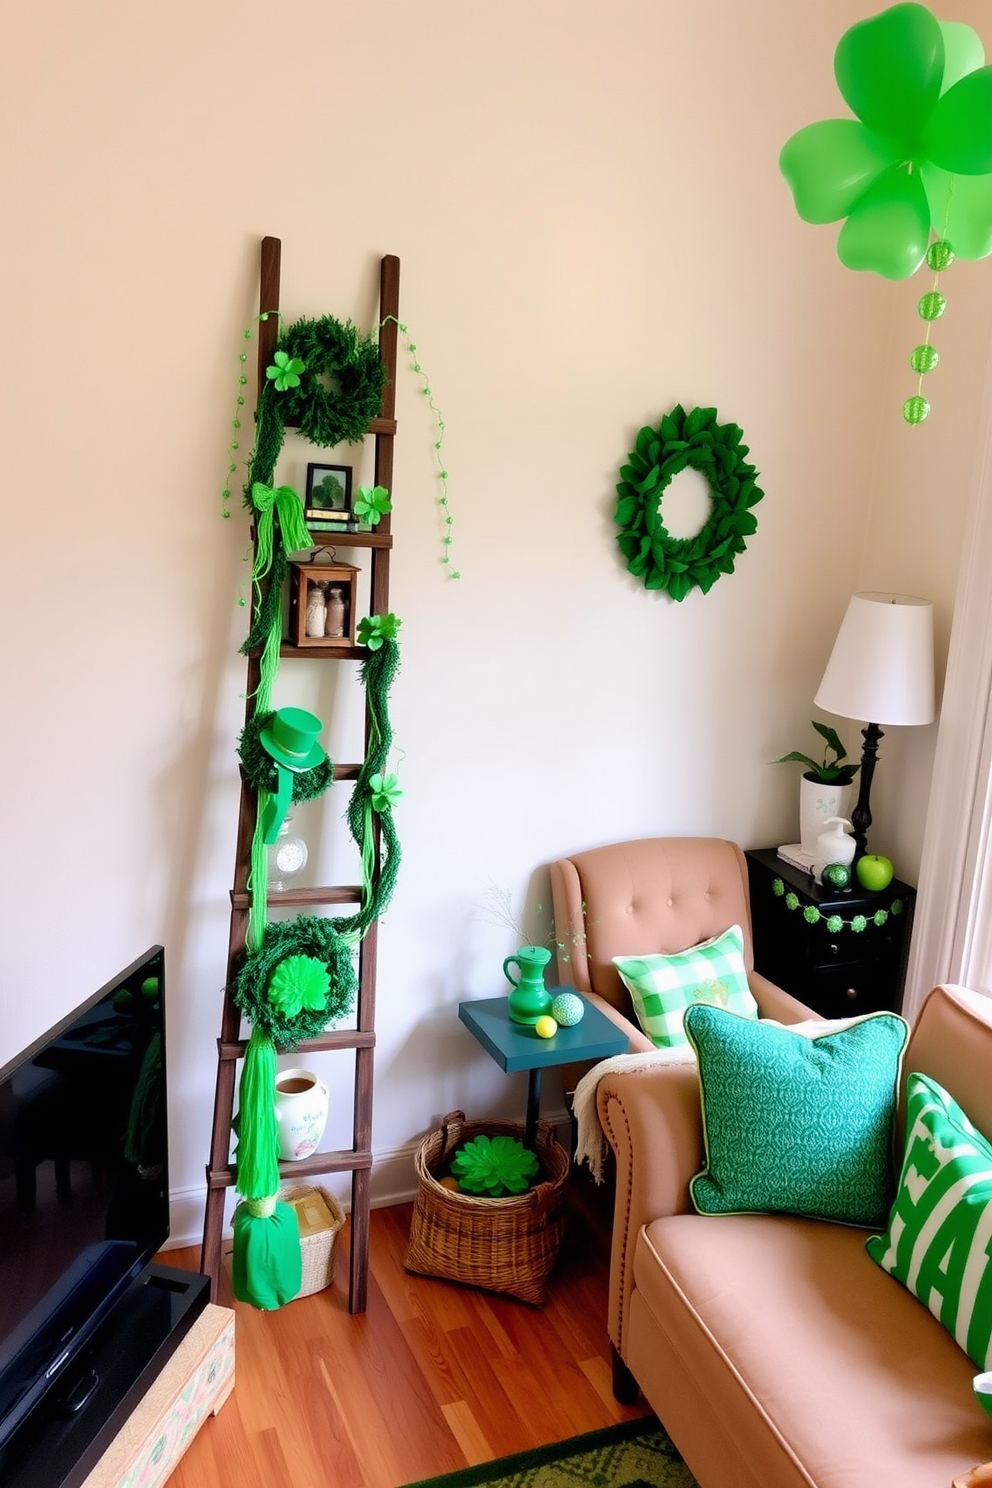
350,361
835,923
288,1021
694,440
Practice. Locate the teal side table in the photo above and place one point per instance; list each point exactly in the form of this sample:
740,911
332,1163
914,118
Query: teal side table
516,1047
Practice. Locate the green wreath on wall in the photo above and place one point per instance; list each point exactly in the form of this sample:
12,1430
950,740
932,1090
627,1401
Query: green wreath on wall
695,441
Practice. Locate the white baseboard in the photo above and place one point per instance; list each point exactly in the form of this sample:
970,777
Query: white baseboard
394,1181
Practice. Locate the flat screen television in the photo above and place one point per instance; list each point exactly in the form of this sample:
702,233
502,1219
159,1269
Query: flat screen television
84,1182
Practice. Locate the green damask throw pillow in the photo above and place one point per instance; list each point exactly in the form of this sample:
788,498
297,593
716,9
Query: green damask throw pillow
662,987
794,1124
940,1227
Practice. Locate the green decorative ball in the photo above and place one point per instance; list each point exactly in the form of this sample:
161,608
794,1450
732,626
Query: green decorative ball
567,1009
915,409
924,358
836,875
940,255
932,305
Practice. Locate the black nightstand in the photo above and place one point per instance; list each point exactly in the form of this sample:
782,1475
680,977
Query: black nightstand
840,953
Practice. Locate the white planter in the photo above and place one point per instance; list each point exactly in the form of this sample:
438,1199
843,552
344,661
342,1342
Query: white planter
817,804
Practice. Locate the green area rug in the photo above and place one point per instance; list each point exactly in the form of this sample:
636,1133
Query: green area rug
635,1454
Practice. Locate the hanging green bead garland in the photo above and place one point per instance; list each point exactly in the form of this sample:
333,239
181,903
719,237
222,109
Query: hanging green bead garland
835,923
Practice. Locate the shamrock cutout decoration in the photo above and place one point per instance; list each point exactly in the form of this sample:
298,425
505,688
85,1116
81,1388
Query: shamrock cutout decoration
375,630
371,503
494,1166
299,982
386,791
285,372
918,156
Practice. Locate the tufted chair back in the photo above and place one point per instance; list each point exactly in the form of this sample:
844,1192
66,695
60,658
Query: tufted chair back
637,898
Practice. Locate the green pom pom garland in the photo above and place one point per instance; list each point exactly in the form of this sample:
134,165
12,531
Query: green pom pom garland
694,440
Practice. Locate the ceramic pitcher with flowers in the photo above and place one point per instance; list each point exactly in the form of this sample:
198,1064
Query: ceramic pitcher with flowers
529,999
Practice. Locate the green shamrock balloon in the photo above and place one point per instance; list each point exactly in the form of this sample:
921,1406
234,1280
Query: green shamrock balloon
918,156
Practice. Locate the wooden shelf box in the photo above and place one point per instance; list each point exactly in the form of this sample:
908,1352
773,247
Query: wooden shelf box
326,589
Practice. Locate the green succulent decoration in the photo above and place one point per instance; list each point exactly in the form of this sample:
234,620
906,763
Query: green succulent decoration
494,1167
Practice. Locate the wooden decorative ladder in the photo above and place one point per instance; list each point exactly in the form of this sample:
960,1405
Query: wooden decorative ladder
231,1045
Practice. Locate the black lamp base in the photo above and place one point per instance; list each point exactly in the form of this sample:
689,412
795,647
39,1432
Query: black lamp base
861,815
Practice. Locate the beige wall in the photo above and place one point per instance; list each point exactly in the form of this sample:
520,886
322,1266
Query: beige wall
592,226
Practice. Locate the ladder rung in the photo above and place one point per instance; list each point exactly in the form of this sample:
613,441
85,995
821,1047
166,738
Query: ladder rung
377,426
336,894
351,1160
348,1039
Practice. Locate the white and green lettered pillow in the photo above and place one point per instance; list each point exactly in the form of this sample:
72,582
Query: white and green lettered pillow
940,1227
662,987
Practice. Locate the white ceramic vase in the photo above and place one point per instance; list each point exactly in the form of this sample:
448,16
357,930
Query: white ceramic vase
817,804
301,1110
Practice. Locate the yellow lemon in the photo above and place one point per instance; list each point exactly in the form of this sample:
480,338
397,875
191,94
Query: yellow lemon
545,1027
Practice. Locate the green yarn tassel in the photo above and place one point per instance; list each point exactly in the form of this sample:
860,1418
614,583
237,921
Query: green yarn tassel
378,672
269,663
258,1130
267,1269
258,876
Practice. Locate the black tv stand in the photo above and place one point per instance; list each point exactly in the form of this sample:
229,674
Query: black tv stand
68,1434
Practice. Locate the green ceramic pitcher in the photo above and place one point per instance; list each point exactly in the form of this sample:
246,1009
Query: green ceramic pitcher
530,999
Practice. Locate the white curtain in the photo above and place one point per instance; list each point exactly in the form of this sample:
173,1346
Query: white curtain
952,937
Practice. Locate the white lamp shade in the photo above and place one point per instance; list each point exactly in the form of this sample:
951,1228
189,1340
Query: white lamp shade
881,667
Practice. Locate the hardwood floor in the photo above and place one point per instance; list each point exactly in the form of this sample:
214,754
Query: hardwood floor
433,1377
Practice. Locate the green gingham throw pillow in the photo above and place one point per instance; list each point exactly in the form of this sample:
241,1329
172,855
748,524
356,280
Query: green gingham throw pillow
940,1227
662,987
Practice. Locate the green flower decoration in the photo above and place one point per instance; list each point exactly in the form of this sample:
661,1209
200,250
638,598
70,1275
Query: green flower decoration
778,887
896,907
285,372
880,916
835,924
811,914
683,441
792,901
374,630
386,791
918,156
858,924
494,1166
371,503
299,982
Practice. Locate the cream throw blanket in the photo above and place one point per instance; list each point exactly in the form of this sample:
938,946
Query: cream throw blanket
590,1145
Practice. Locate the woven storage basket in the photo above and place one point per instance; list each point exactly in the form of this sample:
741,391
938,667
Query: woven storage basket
503,1245
317,1249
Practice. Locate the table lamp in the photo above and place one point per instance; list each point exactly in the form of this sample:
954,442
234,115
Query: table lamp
881,670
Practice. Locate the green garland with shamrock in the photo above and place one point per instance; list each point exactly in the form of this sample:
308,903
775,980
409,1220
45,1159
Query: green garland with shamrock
683,441
835,923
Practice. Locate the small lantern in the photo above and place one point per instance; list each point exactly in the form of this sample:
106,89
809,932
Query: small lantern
322,605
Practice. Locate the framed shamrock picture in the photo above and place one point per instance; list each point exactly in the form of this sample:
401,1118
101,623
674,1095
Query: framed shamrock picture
328,497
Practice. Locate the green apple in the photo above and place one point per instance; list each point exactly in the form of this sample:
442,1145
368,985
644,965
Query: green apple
874,872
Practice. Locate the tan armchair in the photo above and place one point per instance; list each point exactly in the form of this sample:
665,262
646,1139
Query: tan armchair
656,894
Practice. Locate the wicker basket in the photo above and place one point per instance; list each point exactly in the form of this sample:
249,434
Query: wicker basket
503,1245
317,1238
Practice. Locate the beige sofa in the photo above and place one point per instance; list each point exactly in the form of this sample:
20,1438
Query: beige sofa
774,1350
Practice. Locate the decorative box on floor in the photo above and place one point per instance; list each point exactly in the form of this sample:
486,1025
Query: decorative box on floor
323,604
502,1245
321,1217
194,1384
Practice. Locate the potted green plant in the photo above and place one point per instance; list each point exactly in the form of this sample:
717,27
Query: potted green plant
825,787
